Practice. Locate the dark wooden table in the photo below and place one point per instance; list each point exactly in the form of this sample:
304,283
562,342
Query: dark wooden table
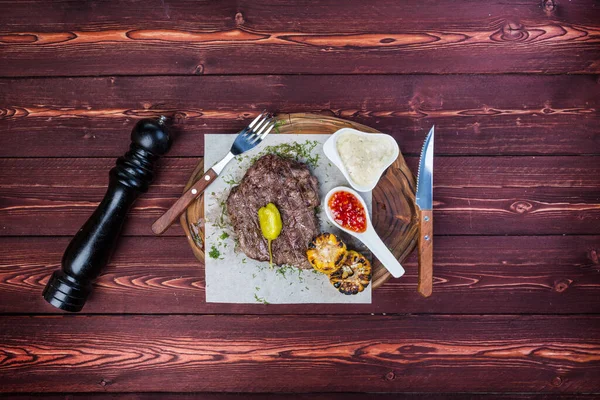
513,90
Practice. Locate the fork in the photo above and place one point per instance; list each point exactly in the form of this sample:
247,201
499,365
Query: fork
246,139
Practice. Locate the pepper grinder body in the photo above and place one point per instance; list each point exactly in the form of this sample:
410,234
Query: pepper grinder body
92,246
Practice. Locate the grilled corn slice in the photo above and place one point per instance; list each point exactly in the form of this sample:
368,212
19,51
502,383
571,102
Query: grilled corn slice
353,276
326,253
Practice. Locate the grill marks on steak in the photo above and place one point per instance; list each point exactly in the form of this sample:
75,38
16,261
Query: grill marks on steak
291,187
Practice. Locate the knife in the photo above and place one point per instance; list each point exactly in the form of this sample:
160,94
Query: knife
425,215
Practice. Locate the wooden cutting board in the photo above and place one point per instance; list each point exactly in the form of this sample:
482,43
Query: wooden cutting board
394,212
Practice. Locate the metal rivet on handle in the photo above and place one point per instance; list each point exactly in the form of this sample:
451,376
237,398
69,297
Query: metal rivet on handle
426,237
426,218
207,178
194,191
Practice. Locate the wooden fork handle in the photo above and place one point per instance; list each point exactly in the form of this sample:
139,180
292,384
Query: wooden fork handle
167,219
425,285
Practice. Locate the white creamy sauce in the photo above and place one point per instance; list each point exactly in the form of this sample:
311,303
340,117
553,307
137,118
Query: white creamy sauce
364,156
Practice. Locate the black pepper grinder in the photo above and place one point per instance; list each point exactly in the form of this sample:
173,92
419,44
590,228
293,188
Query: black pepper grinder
91,248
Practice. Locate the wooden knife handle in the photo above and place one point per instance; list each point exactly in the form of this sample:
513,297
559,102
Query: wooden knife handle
167,219
425,286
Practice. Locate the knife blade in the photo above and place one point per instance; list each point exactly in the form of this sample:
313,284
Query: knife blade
424,202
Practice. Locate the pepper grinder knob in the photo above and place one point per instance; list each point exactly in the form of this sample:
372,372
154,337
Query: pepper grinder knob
91,247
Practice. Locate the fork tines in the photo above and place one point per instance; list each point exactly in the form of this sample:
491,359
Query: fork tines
259,128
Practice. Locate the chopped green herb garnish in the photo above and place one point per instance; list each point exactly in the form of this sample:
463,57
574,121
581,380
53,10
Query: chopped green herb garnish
281,271
214,252
286,270
224,236
261,267
278,123
260,299
223,212
230,180
295,151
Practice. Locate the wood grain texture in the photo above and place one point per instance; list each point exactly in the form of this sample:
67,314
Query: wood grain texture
306,396
242,37
230,354
474,115
472,275
66,191
181,204
472,195
191,14
517,153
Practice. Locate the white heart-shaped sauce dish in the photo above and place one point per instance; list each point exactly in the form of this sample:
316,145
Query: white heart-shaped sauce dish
362,157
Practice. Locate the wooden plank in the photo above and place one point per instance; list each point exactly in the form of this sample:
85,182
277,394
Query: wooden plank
474,275
56,196
191,14
230,354
473,195
306,396
474,115
253,37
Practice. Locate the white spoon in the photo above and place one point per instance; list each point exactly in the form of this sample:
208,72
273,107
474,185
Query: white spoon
369,237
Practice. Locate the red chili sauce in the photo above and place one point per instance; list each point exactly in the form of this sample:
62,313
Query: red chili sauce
348,211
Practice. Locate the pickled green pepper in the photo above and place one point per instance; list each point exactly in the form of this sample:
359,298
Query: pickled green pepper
270,225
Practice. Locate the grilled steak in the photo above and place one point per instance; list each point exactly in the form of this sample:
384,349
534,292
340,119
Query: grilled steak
291,187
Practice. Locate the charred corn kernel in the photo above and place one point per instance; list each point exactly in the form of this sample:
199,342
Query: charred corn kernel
354,274
270,223
326,252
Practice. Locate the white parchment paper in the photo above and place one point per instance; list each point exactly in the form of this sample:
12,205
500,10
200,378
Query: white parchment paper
232,277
